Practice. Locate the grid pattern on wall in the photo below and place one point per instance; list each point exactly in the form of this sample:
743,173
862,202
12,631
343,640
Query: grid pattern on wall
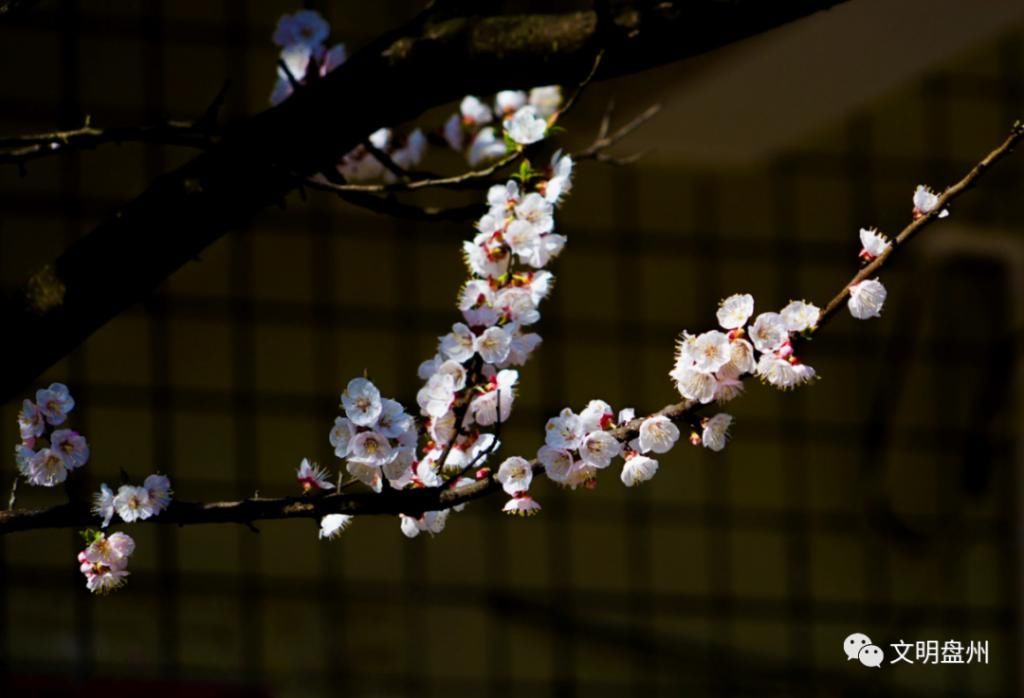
881,500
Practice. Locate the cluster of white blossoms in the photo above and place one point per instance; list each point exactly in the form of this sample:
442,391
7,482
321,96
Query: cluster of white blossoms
104,562
576,446
485,131
133,502
46,454
712,366
376,437
306,58
469,385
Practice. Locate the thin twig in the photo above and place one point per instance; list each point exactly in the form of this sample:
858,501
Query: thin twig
14,494
385,160
605,141
18,150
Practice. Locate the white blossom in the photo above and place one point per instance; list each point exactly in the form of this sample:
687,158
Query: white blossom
437,395
332,525
799,316
741,356
486,146
728,384
459,344
312,477
539,285
361,401
873,243
537,211
453,133
493,345
517,305
105,562
133,503
303,28
560,182
521,505
557,463
55,402
442,429
502,198
103,505
638,469
393,421
866,299
484,408
158,487
523,238
431,521
782,373
694,385
598,449
341,435
597,415
31,422
521,347
925,201
410,528
716,431
369,475
426,471
398,471
709,351
734,311
546,100
564,431
370,448
581,474
474,111
475,292
72,446
768,332
515,475
509,101
456,371
470,450
45,468
526,126
658,434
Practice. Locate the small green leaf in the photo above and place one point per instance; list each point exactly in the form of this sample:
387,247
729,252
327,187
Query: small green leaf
91,535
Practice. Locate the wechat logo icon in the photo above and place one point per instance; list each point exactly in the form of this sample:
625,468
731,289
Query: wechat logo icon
859,646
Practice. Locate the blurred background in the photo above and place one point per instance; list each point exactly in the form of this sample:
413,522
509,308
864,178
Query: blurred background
885,499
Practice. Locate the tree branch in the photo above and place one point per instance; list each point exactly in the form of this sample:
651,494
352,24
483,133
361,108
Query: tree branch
416,501
19,150
425,64
202,133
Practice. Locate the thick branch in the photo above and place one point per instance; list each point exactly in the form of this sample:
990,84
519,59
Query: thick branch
424,65
417,501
